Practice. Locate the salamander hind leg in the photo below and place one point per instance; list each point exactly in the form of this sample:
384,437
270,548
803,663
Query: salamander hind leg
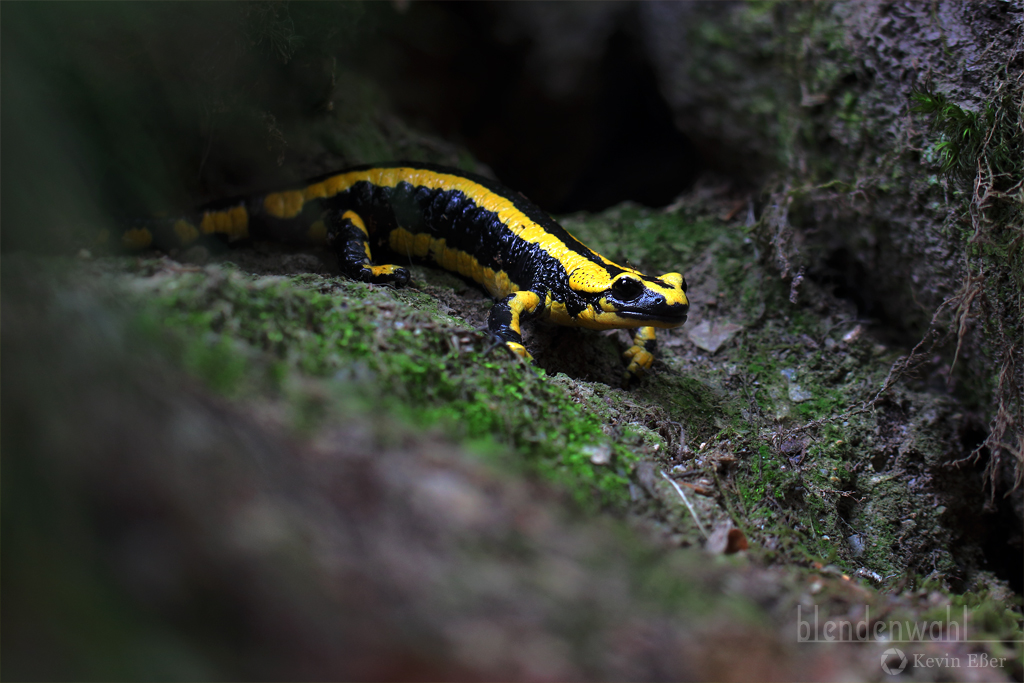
505,318
348,237
640,355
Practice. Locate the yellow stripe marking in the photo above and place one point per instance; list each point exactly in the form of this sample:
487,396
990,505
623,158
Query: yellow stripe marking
593,319
233,222
523,301
388,269
519,350
286,204
357,221
643,334
588,276
420,245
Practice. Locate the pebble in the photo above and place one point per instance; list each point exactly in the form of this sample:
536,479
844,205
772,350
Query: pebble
856,545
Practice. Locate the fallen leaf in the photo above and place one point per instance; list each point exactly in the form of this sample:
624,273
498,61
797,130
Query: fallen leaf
737,542
726,539
710,335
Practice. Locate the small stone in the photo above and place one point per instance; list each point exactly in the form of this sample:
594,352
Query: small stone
798,394
853,334
453,497
856,545
601,454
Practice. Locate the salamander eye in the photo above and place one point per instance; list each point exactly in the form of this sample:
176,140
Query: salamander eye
627,289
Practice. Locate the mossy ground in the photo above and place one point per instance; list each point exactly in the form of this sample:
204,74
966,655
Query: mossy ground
394,351
782,432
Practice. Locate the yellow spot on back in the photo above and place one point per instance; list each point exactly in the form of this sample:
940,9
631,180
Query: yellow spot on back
589,279
239,221
287,204
233,222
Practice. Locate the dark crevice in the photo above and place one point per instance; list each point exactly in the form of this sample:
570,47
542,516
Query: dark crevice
988,523
847,277
639,154
607,137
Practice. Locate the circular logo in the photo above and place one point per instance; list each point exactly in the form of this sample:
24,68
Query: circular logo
894,661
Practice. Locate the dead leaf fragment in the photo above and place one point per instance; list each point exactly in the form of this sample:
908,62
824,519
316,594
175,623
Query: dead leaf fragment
726,539
737,542
710,335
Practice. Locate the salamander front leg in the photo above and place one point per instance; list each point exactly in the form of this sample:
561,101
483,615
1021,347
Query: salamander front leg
348,236
506,316
640,355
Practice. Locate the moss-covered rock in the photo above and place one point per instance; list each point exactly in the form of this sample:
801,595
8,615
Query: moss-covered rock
849,114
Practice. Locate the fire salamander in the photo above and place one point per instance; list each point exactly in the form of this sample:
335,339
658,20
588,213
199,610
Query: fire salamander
469,225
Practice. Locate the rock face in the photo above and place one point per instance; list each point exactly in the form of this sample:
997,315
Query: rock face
886,138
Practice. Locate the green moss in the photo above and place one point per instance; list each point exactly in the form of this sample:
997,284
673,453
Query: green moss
964,136
768,475
990,617
826,402
243,335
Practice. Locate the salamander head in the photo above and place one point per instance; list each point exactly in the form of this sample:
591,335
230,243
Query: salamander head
655,301
631,299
